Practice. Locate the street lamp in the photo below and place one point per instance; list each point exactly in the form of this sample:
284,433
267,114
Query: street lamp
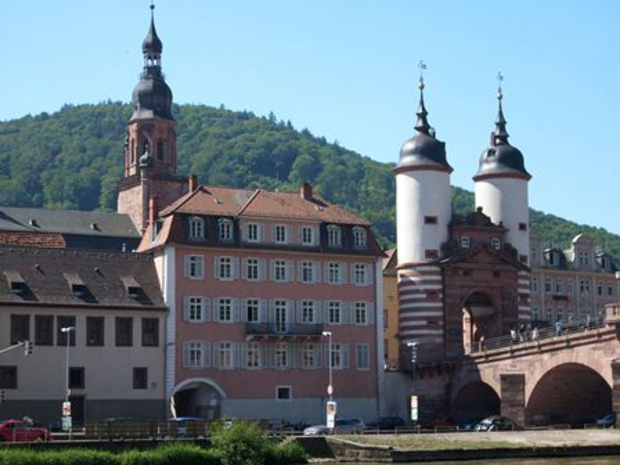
67,330
330,388
413,346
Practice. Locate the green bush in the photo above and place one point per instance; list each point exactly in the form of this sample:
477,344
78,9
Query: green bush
242,443
286,453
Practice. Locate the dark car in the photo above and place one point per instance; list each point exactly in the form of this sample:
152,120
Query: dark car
496,423
387,423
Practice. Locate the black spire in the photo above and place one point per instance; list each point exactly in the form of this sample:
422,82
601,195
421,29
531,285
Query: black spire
422,124
500,136
152,45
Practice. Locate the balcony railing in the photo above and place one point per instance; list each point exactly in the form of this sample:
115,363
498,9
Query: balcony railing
283,329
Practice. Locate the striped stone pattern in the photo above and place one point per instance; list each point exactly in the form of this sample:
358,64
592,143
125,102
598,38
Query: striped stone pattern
420,304
525,291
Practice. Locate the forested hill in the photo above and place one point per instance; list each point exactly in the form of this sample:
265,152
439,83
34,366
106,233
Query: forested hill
72,159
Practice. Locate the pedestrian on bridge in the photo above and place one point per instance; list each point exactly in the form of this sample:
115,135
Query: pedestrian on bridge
535,334
558,327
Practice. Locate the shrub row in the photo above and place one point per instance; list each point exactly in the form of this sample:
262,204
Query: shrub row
243,443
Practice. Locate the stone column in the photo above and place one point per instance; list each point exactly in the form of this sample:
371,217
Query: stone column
513,397
615,389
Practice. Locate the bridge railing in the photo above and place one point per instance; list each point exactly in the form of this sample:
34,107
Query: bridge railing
543,333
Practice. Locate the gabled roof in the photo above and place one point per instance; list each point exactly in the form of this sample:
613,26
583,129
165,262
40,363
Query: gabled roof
472,255
77,278
390,261
221,201
39,220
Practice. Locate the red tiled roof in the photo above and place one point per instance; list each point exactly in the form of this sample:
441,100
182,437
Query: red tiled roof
34,239
260,203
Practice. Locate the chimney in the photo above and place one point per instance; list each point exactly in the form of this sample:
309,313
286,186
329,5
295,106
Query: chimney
305,191
153,210
193,183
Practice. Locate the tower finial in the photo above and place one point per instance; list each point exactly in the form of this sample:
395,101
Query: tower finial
500,136
422,124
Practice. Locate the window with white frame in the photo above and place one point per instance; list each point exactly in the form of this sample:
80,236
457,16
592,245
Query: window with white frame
194,266
334,312
308,311
281,355
280,233
570,286
309,358
306,271
195,309
252,232
225,356
548,282
534,254
225,309
362,356
338,356
253,356
284,393
252,269
252,310
359,238
361,313
610,289
584,287
307,235
465,242
224,268
548,314
194,354
279,271
360,274
334,236
496,243
534,285
334,273
196,228
225,230
559,286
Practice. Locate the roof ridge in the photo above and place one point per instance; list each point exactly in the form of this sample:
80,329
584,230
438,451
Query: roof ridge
249,201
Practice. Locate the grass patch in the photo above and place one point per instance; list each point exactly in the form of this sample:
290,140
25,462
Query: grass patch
423,442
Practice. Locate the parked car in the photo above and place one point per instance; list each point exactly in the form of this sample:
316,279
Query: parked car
349,426
20,431
387,423
316,430
496,423
447,423
189,426
607,420
469,425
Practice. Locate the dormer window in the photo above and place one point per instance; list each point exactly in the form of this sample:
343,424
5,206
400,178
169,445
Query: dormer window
359,238
496,243
16,282
225,230
334,236
133,288
79,287
465,242
196,228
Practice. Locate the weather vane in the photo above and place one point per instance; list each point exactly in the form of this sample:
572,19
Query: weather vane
422,67
500,78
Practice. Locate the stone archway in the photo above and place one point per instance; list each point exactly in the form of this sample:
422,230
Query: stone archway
569,393
479,319
198,397
475,401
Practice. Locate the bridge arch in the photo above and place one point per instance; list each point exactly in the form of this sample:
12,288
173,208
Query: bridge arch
569,393
475,400
198,397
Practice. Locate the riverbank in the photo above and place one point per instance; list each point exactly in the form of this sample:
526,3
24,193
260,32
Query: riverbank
466,446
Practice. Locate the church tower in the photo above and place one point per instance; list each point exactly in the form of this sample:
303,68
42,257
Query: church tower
501,190
423,213
150,145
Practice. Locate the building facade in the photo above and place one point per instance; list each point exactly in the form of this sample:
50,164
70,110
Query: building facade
112,358
260,286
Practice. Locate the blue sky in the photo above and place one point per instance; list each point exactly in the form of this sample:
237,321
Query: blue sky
346,70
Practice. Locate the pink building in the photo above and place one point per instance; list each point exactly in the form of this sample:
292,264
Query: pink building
254,280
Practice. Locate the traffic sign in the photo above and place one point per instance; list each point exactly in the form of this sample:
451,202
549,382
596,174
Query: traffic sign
330,389
66,423
66,409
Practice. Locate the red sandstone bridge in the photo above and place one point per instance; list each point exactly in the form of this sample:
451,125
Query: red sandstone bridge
571,378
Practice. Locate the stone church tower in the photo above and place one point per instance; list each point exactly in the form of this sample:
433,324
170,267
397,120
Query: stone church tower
150,146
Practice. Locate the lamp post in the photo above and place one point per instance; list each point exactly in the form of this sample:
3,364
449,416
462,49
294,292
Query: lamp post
330,388
413,346
67,331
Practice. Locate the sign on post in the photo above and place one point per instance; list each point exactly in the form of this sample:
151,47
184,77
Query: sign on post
66,409
414,407
66,424
331,414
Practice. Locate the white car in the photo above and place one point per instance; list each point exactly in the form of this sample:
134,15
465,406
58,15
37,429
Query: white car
316,430
349,426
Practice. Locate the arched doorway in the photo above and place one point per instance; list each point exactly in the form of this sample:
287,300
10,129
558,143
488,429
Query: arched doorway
475,401
198,398
568,394
478,319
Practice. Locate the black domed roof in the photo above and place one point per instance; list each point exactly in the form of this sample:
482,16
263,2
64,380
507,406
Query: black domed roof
152,98
501,159
423,149
152,43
